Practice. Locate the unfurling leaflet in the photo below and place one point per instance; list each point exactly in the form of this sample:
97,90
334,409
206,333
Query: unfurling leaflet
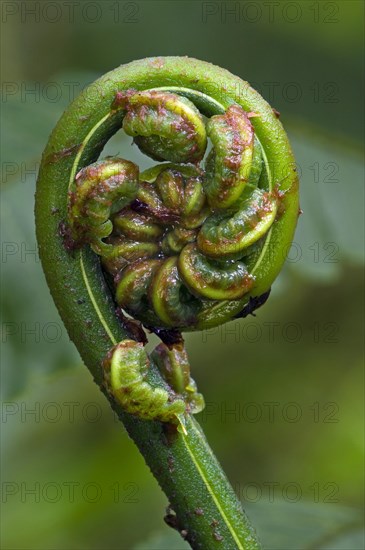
126,369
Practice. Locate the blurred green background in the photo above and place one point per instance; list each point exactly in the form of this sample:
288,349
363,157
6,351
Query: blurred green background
284,389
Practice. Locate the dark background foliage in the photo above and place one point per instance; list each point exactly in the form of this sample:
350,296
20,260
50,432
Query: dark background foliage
283,389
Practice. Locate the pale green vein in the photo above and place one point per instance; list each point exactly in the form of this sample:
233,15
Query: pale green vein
94,302
211,492
263,251
82,148
192,94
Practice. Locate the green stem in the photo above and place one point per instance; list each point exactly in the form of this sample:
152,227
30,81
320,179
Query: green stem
208,513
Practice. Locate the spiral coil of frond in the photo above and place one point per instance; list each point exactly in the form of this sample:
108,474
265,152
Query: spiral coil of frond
181,237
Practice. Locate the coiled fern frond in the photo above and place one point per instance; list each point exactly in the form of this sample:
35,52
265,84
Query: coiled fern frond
190,243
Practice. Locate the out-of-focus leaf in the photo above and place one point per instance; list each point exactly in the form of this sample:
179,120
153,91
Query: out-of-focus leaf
289,526
306,526
170,540
330,232
34,340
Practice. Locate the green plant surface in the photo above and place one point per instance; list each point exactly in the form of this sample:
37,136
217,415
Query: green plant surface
311,71
80,292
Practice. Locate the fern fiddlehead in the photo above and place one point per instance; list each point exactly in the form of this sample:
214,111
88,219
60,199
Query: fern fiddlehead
185,245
